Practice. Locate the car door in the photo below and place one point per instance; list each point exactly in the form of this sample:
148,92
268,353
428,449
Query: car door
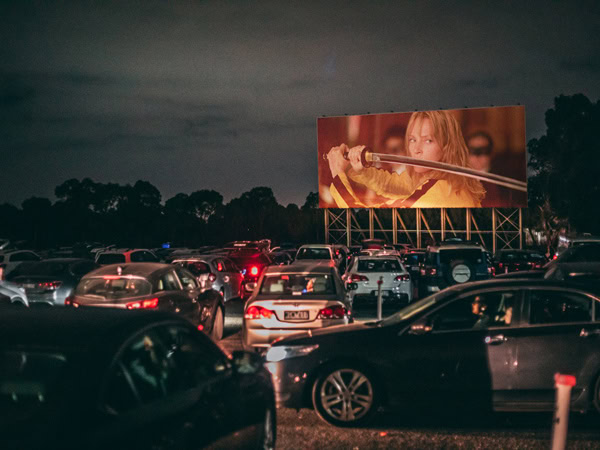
235,278
168,388
461,353
187,303
558,336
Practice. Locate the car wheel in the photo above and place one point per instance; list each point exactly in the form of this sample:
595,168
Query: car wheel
344,396
218,325
268,434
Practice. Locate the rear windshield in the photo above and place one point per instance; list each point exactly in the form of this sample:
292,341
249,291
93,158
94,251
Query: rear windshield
54,268
470,255
298,284
196,267
313,253
113,287
379,265
111,258
30,386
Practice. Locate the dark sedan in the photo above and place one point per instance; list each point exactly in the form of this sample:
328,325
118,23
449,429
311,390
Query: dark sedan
157,286
509,260
491,345
51,281
83,379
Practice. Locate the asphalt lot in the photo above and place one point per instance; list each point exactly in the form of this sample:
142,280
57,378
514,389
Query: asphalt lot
305,430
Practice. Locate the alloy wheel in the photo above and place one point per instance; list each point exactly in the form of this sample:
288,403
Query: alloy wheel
346,395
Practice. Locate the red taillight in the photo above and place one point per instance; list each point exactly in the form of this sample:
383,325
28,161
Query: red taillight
200,327
143,304
50,285
555,256
69,301
422,272
2,266
335,312
356,277
212,277
258,312
220,267
500,265
403,277
254,271
431,271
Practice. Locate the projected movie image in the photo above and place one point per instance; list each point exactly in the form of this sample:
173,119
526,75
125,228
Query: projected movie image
462,158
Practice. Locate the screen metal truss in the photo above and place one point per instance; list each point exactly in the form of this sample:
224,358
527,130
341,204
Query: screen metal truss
494,228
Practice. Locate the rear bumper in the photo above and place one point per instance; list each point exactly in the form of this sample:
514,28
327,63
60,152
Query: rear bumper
256,338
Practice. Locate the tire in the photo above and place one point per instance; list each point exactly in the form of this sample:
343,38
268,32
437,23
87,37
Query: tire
460,272
218,325
268,433
345,396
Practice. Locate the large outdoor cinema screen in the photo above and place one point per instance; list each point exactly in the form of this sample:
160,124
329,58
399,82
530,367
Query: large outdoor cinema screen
460,158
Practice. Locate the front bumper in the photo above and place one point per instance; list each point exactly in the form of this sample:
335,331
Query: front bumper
292,380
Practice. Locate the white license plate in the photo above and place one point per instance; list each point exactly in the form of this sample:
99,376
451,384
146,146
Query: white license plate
295,315
29,286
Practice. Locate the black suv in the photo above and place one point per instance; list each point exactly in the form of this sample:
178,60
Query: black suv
453,263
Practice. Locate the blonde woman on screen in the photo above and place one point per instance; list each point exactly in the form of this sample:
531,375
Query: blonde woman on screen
431,136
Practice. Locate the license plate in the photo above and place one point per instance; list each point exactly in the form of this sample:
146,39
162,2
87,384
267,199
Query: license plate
295,315
29,286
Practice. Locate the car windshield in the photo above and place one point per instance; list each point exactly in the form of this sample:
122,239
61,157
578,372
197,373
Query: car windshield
413,309
31,385
113,287
298,284
313,253
379,265
470,255
196,267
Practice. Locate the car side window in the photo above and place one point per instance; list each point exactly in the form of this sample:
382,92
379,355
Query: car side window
168,282
479,311
552,307
144,373
187,279
137,257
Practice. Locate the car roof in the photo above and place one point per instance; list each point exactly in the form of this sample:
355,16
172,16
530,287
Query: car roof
317,246
101,330
455,247
301,267
139,269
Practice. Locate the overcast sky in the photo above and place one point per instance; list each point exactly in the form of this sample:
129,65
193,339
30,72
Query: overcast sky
224,95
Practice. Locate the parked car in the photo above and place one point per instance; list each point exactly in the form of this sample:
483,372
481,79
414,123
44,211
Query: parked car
376,244
368,272
319,253
490,345
227,277
575,271
126,256
453,263
161,287
83,379
512,260
15,293
281,258
582,252
9,260
412,260
51,281
289,299
252,263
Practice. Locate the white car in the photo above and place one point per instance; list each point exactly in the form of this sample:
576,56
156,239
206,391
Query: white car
291,299
16,293
367,271
11,259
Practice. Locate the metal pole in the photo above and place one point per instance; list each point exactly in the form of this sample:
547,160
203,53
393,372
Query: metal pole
371,224
394,226
348,227
563,384
326,211
443,223
379,299
494,230
521,228
468,224
418,227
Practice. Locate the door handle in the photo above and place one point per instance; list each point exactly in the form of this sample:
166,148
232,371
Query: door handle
495,340
589,333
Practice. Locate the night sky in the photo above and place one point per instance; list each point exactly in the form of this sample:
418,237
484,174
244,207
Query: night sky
224,95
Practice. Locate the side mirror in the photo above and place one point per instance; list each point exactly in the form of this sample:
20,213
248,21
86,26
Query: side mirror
246,362
419,328
352,286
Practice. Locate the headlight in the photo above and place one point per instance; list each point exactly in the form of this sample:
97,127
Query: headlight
279,353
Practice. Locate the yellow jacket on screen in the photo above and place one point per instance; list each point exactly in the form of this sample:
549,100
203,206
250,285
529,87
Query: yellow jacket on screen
400,190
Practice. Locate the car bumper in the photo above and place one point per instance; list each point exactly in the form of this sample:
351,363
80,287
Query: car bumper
292,380
261,337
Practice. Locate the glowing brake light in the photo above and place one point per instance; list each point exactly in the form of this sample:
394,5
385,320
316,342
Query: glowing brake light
431,271
254,271
258,312
50,285
335,312
403,277
220,267
356,277
144,304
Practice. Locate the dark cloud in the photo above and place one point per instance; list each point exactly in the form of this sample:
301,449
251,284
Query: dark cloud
590,65
481,83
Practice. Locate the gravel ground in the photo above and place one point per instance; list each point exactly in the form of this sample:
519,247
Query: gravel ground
305,430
